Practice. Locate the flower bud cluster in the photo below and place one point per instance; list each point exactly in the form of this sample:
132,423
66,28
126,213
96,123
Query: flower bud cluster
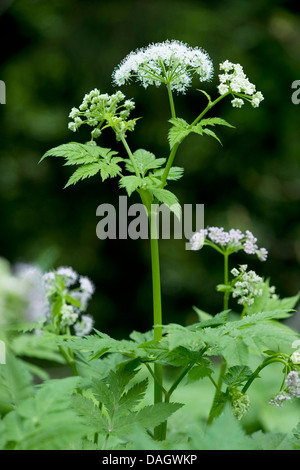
247,285
102,110
240,402
60,284
235,81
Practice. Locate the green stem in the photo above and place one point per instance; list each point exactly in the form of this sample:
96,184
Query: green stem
69,357
157,310
172,105
265,363
131,157
224,365
217,392
226,276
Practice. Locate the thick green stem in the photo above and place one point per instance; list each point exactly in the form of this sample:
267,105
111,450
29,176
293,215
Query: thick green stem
69,357
157,310
172,105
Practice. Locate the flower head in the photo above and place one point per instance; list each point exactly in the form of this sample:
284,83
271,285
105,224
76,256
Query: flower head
64,286
234,80
169,62
247,285
101,110
231,241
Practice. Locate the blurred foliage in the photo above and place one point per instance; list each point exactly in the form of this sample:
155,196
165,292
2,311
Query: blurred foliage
54,52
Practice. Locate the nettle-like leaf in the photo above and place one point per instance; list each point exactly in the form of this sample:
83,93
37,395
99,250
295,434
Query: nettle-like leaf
234,340
91,158
265,302
175,173
168,198
16,383
131,183
181,129
236,375
45,420
118,398
144,161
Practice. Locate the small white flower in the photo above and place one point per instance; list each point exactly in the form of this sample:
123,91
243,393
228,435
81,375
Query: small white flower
85,326
198,239
293,384
223,89
68,274
68,316
279,400
237,102
295,357
86,285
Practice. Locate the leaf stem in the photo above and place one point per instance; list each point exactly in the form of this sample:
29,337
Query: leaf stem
265,363
131,157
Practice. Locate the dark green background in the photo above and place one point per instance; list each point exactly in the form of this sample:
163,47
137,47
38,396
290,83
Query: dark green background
52,53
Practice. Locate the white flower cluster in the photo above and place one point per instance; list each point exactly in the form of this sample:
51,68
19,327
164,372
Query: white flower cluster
247,285
98,110
233,240
74,299
292,390
235,81
169,62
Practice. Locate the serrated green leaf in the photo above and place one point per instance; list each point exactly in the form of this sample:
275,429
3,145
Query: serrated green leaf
130,183
92,415
215,121
211,134
168,198
179,130
175,173
144,161
236,375
200,371
83,172
149,417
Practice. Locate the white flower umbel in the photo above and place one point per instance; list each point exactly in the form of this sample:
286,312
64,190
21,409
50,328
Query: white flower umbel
171,62
228,242
234,80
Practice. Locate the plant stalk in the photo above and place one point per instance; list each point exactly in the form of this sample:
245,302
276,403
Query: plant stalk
157,310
